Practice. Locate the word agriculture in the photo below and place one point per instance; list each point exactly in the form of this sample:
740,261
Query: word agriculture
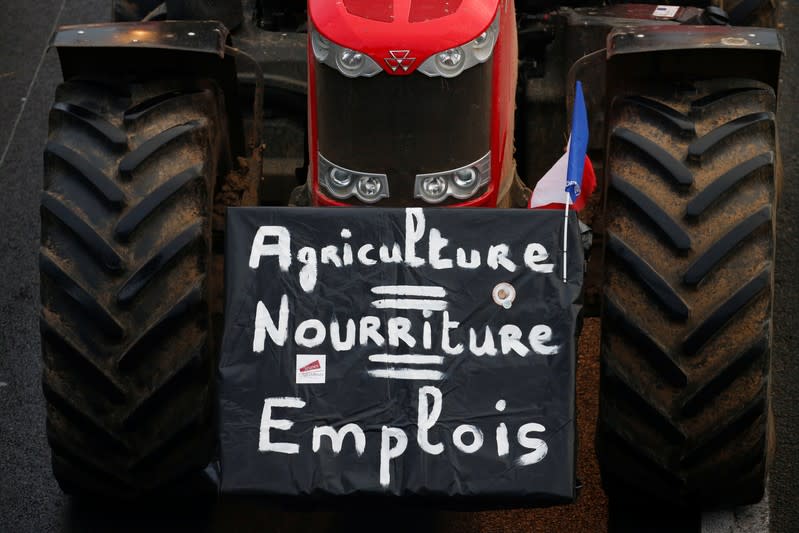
344,254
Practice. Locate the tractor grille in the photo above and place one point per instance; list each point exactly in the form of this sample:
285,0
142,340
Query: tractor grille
402,126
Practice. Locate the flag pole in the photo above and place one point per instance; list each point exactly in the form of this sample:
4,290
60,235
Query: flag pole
566,235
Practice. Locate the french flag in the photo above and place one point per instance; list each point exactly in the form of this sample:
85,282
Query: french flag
573,173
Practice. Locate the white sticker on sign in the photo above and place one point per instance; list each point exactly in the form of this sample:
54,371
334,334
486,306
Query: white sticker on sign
668,12
311,368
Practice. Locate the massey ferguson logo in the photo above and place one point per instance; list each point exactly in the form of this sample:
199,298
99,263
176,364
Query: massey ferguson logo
399,59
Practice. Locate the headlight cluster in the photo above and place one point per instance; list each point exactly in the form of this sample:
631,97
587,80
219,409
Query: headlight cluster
342,183
351,63
450,63
461,183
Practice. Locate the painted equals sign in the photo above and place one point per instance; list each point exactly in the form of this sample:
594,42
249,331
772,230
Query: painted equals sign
393,372
419,297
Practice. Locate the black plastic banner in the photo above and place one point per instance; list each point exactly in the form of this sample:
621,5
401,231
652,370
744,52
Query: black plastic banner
414,352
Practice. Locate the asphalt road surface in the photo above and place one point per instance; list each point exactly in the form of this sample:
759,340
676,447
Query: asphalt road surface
30,500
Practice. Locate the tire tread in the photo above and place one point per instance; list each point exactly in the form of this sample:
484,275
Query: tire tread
142,362
686,336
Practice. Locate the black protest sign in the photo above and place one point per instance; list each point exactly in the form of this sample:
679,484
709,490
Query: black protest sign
414,352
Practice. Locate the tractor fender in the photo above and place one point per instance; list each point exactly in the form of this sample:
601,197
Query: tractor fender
676,52
154,50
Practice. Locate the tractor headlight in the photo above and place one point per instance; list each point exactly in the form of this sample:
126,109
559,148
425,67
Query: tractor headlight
370,188
340,179
450,63
460,183
433,188
342,183
465,178
321,46
351,63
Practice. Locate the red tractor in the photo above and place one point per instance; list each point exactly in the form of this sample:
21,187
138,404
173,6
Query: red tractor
180,109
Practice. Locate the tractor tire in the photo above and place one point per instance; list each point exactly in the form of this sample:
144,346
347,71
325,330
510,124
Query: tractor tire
687,294
125,252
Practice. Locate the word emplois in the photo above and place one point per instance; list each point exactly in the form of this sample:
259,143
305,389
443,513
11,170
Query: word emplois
394,440
275,241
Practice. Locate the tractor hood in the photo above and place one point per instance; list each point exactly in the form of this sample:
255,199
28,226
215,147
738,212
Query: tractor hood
409,31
